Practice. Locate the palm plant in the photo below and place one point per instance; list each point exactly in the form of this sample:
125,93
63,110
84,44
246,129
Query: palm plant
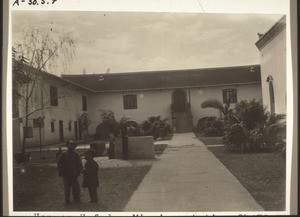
270,133
216,104
253,128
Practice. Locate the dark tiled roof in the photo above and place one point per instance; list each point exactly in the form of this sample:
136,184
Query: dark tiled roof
45,74
158,80
271,33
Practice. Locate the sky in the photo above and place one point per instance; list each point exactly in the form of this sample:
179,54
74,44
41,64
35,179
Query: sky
114,42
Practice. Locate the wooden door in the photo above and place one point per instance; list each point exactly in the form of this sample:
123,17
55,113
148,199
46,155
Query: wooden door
61,130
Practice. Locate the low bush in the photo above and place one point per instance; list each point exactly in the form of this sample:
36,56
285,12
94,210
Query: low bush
84,122
156,127
210,126
252,128
110,127
133,128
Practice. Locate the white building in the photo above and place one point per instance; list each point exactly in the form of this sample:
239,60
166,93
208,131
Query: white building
59,102
272,48
176,95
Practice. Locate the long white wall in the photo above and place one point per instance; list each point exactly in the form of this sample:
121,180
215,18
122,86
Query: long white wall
154,103
149,103
273,62
244,92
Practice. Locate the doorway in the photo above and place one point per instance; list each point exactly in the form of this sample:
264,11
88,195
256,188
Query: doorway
179,100
61,131
76,130
182,117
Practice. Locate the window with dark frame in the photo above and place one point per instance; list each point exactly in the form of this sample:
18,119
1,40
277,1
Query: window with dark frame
84,103
230,96
130,101
53,96
70,126
52,127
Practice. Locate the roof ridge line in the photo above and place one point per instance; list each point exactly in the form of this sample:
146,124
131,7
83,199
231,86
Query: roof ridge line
175,87
160,71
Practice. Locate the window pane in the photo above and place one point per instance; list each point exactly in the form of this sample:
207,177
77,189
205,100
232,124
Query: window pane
130,102
84,103
53,96
229,96
52,127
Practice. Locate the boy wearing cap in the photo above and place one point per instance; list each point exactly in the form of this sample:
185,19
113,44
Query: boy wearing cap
69,166
90,175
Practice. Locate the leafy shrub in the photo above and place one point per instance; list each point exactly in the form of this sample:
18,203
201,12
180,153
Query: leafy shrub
210,126
84,122
217,104
110,127
156,127
251,113
235,137
251,128
133,128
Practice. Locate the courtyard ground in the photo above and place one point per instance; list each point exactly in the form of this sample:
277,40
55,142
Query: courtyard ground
41,189
262,174
37,186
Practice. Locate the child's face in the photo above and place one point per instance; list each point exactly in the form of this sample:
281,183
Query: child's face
71,148
88,157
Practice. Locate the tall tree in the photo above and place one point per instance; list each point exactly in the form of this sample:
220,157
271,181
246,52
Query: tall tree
39,50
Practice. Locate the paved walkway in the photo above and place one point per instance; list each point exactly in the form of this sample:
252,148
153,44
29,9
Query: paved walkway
188,177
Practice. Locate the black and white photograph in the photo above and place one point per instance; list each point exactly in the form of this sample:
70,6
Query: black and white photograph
149,112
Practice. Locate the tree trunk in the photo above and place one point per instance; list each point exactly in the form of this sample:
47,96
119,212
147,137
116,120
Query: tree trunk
24,136
26,125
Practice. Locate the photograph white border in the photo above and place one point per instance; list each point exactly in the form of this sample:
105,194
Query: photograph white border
188,6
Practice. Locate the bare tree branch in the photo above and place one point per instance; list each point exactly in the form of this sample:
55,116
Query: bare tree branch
43,49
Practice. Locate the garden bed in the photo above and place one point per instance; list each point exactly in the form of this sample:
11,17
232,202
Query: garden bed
216,140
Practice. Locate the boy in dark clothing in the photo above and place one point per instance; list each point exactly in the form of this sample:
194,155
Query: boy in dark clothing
69,166
90,175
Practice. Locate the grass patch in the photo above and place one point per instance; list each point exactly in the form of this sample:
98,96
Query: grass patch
209,140
262,174
41,189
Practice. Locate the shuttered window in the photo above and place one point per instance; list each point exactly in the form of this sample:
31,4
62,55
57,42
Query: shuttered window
84,103
52,127
53,96
130,101
229,96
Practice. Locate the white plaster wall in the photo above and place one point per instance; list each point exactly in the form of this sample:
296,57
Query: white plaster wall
68,109
244,92
273,62
154,103
149,103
